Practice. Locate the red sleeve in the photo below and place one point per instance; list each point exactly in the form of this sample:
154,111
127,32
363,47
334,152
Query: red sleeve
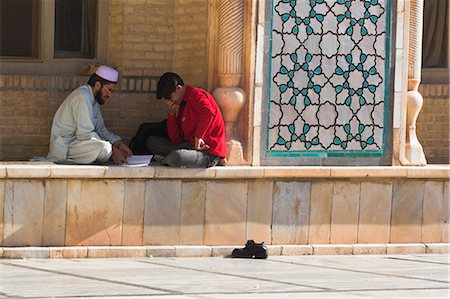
174,129
205,116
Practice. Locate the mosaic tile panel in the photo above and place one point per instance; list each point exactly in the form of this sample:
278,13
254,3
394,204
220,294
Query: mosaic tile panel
327,93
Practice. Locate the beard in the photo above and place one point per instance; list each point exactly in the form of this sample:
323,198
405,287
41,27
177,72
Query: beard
99,97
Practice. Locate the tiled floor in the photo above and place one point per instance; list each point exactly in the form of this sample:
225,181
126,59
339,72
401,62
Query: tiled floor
375,276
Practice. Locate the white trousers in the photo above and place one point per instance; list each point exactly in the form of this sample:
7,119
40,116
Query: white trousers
88,151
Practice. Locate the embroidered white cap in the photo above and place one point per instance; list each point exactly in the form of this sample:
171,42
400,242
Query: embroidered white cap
107,73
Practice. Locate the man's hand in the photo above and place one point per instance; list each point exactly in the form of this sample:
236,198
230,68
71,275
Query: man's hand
126,151
172,107
117,155
200,145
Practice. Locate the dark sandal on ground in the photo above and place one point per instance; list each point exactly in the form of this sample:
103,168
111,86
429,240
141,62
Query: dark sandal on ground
251,250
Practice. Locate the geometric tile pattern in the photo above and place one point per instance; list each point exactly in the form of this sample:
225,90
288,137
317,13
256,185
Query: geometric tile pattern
327,78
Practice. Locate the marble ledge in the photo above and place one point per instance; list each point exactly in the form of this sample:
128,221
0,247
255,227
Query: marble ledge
24,170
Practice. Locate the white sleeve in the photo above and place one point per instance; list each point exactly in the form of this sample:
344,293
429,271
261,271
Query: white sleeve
103,131
83,114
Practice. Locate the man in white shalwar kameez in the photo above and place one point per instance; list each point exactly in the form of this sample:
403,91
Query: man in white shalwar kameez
78,132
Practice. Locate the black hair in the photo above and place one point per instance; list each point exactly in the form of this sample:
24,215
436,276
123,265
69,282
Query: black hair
94,78
167,84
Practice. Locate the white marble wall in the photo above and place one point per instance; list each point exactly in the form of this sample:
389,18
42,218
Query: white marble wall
58,212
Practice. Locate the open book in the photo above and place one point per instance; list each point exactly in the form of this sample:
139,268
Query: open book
138,161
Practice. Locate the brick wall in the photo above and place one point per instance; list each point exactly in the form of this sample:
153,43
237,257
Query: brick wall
433,123
150,37
28,104
146,38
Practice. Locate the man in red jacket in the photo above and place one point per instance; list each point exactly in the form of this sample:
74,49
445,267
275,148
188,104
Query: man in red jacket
194,123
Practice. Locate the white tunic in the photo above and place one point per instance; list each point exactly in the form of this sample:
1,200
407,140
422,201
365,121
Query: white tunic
78,131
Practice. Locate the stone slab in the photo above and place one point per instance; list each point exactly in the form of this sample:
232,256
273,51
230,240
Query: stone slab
433,212
405,248
122,172
320,213
259,211
54,227
116,251
162,212
23,213
94,212
441,248
225,212
26,252
133,213
193,251
369,249
296,250
375,212
291,205
27,171
406,221
332,249
344,214
160,251
192,216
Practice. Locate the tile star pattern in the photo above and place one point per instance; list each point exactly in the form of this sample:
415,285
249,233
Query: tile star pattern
327,78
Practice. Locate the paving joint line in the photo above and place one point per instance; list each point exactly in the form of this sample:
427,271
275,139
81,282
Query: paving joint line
419,261
238,276
96,278
361,271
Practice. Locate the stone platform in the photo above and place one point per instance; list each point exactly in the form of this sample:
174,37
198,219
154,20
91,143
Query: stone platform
53,206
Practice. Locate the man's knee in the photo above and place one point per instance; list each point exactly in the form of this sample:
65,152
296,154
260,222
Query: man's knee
174,159
105,153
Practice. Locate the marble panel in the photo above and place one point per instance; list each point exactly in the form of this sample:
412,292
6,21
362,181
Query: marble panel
375,212
116,251
193,251
369,249
160,251
433,207
54,213
26,252
320,214
405,248
225,212
192,217
162,212
119,172
446,211
331,249
406,219
27,171
297,172
185,173
344,214
2,205
94,212
291,202
259,211
237,172
133,212
296,250
23,213
2,171
77,171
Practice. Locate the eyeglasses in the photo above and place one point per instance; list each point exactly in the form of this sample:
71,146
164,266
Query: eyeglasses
107,90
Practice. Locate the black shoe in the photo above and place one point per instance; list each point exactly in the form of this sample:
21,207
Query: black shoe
251,250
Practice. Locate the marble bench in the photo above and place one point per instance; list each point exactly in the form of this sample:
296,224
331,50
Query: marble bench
66,206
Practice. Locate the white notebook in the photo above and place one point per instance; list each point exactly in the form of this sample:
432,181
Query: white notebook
138,161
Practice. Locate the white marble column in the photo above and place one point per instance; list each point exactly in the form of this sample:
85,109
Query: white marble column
414,151
229,96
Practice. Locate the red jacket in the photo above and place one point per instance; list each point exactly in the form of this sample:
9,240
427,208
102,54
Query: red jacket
200,117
